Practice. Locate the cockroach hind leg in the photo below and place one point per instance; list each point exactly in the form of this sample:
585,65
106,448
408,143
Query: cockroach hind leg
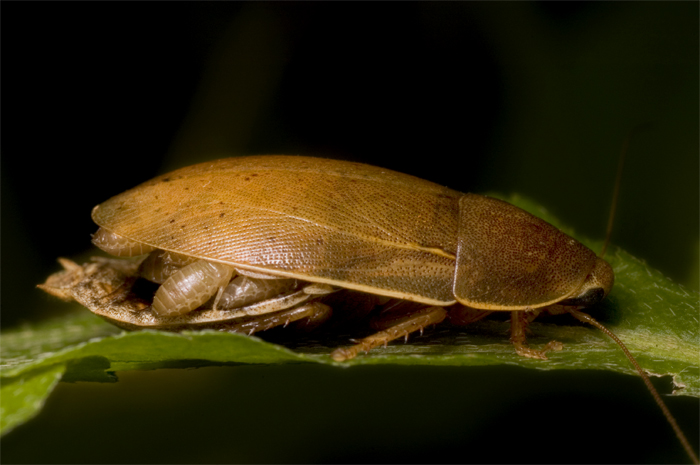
413,322
518,328
267,321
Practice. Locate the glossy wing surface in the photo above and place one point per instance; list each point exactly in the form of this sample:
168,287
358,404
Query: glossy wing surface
344,223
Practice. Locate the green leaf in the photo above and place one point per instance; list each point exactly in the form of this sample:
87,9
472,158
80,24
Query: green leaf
24,395
655,317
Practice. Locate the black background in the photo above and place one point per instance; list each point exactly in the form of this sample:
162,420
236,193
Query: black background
534,98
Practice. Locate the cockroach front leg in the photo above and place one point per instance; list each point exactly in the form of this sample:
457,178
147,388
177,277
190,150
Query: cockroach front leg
518,326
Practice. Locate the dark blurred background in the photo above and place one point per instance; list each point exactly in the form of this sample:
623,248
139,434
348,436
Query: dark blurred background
533,98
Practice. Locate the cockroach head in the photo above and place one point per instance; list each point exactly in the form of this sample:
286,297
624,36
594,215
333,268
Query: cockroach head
595,288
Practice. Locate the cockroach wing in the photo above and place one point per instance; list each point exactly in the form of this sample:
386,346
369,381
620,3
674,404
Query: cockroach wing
346,224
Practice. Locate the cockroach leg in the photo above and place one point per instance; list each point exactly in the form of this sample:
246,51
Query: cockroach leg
314,313
413,322
518,327
462,316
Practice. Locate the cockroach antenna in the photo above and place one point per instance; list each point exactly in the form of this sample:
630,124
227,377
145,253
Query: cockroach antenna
590,320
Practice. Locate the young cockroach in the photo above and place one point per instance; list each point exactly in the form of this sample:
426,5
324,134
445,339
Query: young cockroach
246,244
